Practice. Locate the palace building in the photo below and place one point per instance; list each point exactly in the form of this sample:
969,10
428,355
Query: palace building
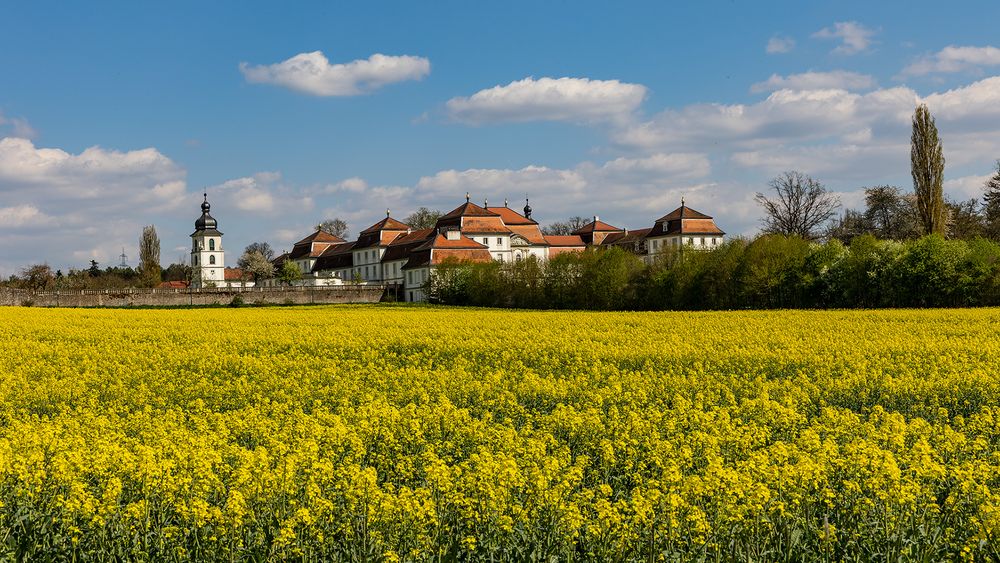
392,253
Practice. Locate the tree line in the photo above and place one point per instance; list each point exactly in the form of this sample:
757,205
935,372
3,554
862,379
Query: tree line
771,271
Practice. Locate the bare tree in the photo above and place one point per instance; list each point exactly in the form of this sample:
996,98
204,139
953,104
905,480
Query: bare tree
422,218
927,169
802,206
565,227
336,227
149,256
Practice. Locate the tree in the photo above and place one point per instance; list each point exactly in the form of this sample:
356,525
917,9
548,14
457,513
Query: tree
801,208
149,257
991,205
565,227
94,270
851,224
423,218
178,271
289,272
927,169
336,227
889,213
254,263
38,277
964,220
262,247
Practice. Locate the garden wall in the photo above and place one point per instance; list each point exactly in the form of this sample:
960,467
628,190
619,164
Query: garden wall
191,297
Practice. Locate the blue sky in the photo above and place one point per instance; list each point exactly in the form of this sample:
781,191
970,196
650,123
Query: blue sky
117,115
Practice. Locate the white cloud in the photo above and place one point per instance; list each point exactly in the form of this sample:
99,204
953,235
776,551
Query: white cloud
549,99
90,204
966,187
954,59
779,44
854,37
835,79
312,73
264,193
23,216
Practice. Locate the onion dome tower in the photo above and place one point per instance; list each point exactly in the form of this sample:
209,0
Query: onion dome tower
208,260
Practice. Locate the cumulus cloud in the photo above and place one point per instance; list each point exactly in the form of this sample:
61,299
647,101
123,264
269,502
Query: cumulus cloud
549,99
779,44
312,73
854,37
954,59
90,204
835,79
263,193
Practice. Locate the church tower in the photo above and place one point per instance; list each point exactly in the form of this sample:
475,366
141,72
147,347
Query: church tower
208,260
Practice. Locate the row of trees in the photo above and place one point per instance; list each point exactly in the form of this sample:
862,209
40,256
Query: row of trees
801,206
772,271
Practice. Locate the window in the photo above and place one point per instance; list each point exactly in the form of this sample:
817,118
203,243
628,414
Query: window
195,259
499,241
211,244
211,259
486,241
690,240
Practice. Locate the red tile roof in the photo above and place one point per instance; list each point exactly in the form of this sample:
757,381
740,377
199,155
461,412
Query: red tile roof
441,241
477,225
511,217
387,224
564,240
468,209
403,244
531,232
627,237
320,236
596,226
683,212
173,285
233,274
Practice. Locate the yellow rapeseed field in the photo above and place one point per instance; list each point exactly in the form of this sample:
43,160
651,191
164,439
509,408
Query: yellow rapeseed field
377,433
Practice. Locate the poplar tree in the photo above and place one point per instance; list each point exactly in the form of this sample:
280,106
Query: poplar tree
927,168
149,256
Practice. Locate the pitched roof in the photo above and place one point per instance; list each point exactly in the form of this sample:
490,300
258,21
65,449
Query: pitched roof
439,240
468,209
335,258
387,224
320,236
683,212
483,225
564,240
177,284
685,221
403,244
511,217
530,232
627,237
233,274
596,226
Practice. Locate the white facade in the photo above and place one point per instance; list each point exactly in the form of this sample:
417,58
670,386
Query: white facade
208,261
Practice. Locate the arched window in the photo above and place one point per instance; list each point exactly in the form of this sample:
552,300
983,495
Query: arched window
211,245
211,260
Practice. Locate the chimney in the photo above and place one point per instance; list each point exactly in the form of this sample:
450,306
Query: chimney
596,218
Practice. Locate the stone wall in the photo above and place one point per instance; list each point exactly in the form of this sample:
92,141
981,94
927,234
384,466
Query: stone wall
191,297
